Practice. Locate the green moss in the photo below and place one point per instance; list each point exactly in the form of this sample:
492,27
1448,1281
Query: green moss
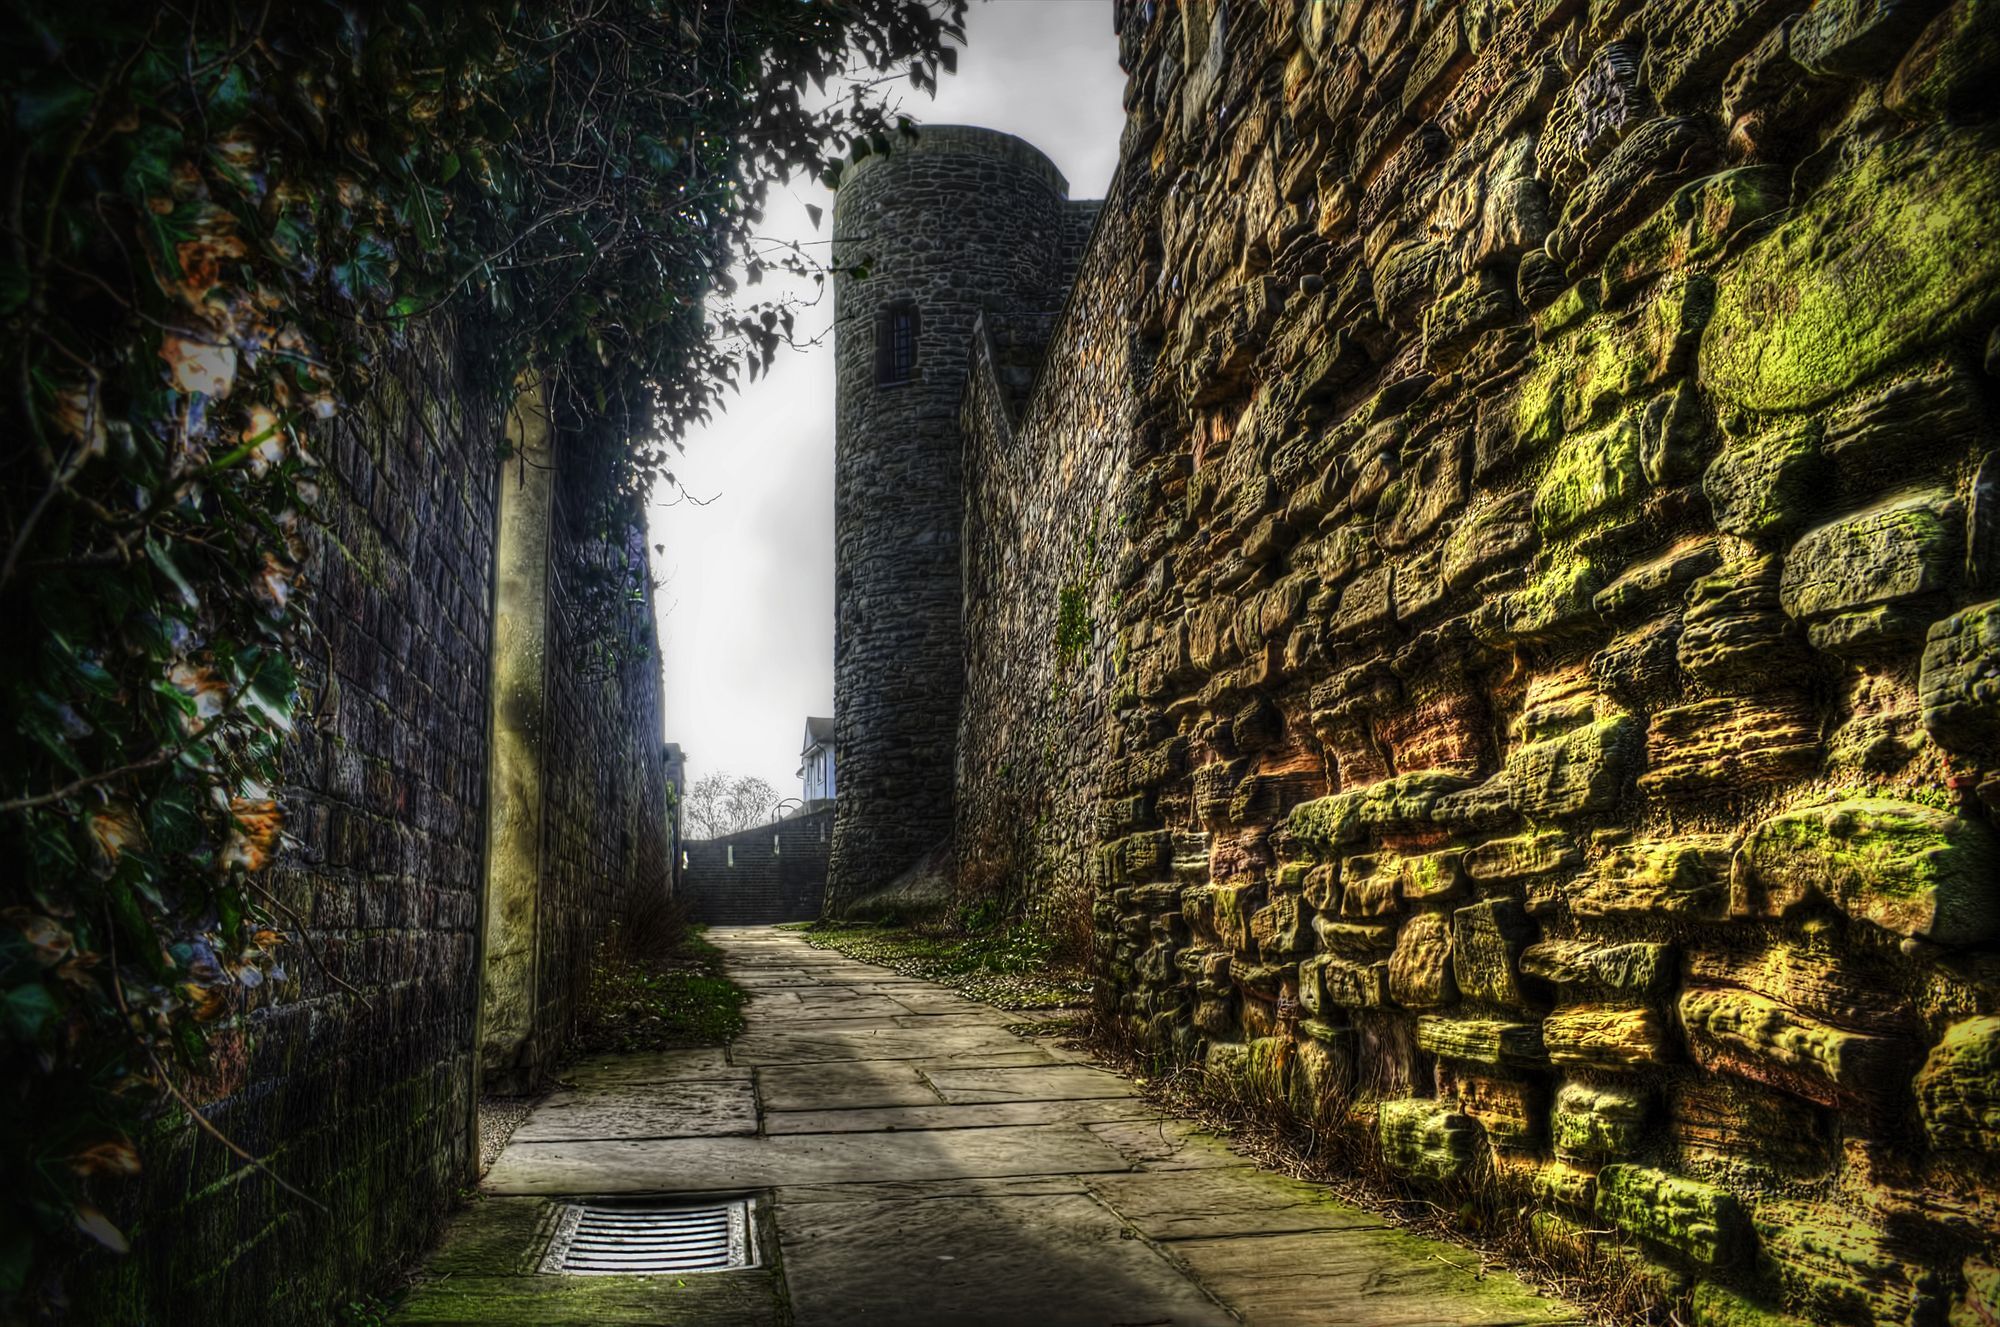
1909,868
1328,824
1701,1222
1878,263
1594,474
1715,1306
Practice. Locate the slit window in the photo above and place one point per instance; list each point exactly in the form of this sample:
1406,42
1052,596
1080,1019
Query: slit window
896,345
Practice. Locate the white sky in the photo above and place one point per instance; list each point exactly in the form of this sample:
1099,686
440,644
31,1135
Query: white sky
746,608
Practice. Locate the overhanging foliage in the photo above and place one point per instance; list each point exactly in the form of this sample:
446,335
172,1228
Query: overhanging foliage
223,223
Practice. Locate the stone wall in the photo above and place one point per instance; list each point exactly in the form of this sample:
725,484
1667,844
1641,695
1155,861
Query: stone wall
1040,537
1544,666
947,226
762,876
355,1077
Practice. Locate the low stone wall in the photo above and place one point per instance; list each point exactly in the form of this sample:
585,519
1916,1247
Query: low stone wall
762,876
1539,698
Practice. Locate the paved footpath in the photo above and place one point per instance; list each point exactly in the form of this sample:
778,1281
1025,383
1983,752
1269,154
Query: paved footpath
916,1164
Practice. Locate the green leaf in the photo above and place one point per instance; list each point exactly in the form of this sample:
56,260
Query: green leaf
157,552
29,1009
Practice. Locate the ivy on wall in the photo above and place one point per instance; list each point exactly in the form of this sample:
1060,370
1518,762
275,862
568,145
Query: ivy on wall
221,222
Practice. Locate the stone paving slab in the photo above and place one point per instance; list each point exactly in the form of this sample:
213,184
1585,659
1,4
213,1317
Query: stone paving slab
708,1063
717,1164
1167,1144
1376,1277
1086,1110
801,1046
1052,1260
691,1109
1067,1082
922,1165
1240,1200
844,1085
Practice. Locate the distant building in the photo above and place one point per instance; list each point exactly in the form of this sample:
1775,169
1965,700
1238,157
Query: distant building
816,764
676,792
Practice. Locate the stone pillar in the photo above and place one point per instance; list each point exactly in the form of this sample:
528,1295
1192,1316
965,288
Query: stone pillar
520,646
959,222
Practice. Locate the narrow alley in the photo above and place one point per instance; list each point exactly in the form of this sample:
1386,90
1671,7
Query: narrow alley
913,1160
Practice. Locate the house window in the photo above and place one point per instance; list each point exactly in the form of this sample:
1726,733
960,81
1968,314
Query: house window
896,345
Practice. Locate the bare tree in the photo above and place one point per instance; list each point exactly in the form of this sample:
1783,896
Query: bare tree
723,803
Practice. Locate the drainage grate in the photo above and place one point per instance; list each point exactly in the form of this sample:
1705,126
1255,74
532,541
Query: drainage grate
593,1240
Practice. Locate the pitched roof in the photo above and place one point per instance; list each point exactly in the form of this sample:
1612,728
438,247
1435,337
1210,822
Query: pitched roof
819,732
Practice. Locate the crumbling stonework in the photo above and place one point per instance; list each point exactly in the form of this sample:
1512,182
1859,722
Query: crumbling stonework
1494,588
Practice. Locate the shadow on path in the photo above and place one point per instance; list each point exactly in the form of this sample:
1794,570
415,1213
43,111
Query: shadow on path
918,1164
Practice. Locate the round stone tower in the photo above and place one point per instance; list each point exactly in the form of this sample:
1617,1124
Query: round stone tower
958,222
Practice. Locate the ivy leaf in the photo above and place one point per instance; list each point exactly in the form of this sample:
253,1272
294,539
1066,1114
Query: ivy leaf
157,552
29,1009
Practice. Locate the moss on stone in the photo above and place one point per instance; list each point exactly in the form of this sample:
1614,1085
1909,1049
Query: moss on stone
1593,474
1909,868
1701,1222
1878,263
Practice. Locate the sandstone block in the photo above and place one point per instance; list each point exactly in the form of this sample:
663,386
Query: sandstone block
1792,326
1420,971
1281,928
1672,877
1426,1140
1494,1044
1958,1090
1560,1184
1735,636
1543,855
1487,939
1858,38
1347,984
1582,771
1949,68
1767,1041
1832,1262
1762,488
1960,682
1601,1037
1593,475
1701,1222
1355,939
1594,1121
1509,1111
1637,968
1728,743
1724,1124
1908,868
1432,877
1898,550
1655,585
1369,886
1491,538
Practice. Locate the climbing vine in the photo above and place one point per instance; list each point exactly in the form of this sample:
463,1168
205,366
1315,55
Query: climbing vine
225,221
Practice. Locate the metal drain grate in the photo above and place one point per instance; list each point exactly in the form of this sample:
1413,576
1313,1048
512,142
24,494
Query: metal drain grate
594,1240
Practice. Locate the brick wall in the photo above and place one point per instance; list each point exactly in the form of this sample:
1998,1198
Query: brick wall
354,1077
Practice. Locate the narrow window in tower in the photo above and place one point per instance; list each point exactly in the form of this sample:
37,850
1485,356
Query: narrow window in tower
895,345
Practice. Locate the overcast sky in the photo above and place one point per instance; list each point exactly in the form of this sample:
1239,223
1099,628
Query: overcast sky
746,608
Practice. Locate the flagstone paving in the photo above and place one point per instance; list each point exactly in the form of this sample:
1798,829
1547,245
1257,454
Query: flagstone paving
916,1163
